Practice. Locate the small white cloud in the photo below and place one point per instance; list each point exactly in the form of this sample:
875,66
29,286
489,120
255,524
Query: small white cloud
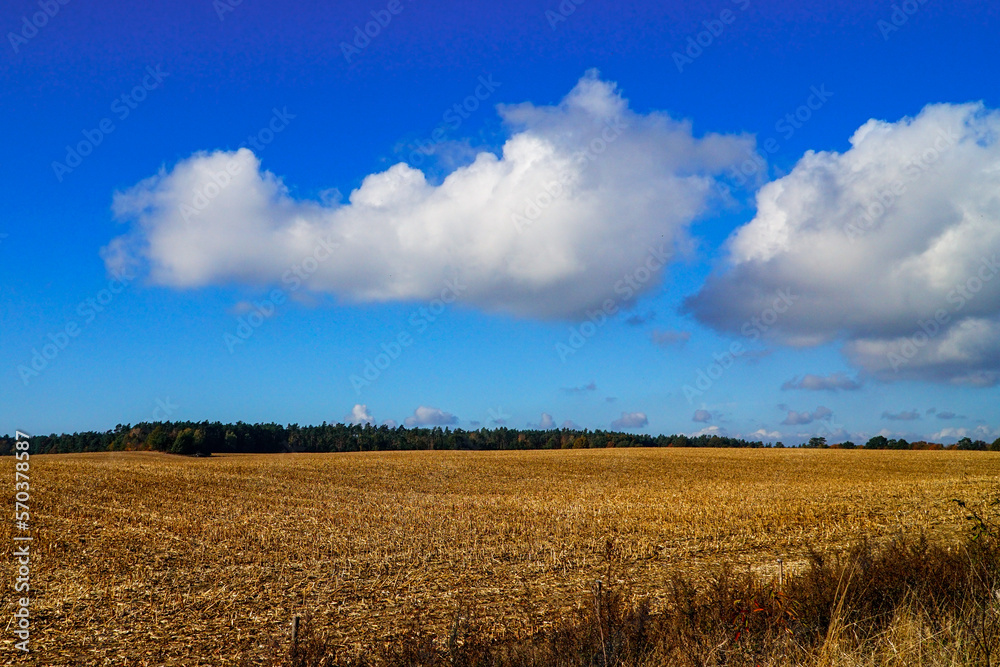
427,416
794,418
570,425
764,435
391,423
630,420
709,430
703,416
546,422
359,415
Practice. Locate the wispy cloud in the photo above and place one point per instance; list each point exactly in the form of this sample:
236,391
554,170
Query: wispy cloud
638,319
666,338
427,416
906,415
587,388
833,382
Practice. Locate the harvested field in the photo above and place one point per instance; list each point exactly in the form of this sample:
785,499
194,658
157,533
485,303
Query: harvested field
148,559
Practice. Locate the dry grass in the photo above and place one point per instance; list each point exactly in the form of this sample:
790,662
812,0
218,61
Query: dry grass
147,559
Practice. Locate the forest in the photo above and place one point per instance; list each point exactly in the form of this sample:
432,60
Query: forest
206,438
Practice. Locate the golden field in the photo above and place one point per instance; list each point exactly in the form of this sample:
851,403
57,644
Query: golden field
150,559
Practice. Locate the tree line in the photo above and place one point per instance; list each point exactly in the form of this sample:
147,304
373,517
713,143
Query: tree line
205,438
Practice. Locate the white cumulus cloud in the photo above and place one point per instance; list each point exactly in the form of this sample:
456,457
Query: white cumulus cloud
890,247
580,194
359,414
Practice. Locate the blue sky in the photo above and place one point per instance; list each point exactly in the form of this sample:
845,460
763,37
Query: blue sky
416,155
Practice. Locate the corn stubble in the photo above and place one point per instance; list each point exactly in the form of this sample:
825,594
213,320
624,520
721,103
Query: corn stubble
149,559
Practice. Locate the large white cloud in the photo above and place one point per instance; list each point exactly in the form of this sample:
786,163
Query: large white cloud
890,246
579,196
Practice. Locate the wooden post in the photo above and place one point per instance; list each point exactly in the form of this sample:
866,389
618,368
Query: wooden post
295,632
781,574
600,624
